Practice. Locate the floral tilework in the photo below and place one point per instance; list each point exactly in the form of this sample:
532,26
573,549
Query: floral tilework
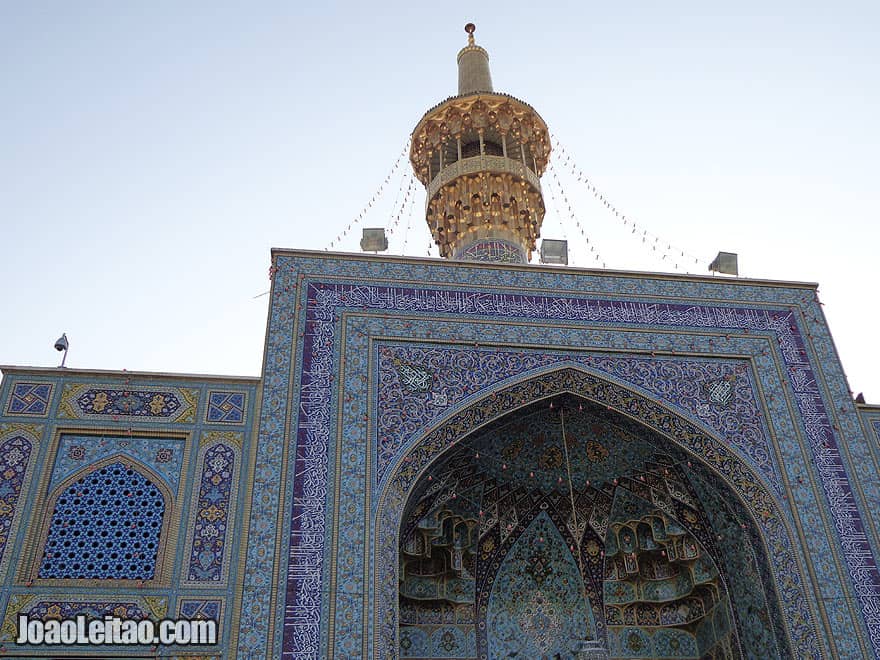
212,517
456,373
538,591
115,401
15,453
226,407
29,399
128,402
163,455
63,609
257,630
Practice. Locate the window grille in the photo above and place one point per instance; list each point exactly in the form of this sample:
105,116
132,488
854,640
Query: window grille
105,526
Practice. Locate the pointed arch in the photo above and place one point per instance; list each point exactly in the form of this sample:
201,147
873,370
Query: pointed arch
107,521
764,512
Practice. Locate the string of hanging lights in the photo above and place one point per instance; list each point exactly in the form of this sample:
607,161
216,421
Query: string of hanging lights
553,212
668,252
409,218
571,213
369,205
397,211
400,188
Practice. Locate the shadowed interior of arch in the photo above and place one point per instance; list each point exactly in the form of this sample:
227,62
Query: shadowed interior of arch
612,544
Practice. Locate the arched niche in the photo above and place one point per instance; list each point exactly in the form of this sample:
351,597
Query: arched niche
107,521
742,508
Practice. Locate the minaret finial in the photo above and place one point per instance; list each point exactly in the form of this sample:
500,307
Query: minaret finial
481,156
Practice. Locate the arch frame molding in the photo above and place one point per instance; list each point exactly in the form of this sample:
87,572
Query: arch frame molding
316,388
765,510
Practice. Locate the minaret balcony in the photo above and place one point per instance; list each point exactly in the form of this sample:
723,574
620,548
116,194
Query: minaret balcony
483,163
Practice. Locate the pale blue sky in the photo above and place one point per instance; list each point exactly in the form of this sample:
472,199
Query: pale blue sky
152,153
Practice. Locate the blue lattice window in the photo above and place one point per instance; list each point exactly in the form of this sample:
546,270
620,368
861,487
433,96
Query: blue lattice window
105,526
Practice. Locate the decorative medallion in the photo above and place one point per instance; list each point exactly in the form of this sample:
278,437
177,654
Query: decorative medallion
128,402
82,401
720,392
414,377
596,451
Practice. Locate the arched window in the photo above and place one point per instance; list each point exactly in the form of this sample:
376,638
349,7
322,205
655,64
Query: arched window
105,526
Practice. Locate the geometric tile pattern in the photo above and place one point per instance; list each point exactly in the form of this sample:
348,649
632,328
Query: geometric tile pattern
29,399
105,526
199,608
226,407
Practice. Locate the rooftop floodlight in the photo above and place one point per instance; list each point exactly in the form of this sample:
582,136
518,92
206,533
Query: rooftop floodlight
725,263
61,344
554,252
374,240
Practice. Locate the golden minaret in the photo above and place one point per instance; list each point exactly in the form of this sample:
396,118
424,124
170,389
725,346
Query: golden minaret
480,155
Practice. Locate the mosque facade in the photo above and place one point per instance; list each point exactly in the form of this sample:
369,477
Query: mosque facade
466,457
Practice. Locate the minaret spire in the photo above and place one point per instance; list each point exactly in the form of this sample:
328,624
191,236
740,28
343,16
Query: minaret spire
481,155
473,66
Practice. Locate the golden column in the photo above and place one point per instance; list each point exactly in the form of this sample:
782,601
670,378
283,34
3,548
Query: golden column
480,156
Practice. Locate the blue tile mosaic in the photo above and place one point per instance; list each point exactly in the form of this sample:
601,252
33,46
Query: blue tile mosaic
162,455
29,399
226,407
105,526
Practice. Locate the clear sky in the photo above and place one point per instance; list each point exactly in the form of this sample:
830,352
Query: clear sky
151,153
